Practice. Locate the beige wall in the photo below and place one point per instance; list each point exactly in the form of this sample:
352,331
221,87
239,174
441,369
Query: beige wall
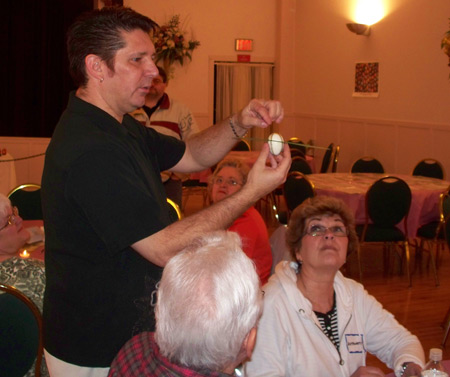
216,24
414,76
410,120
315,55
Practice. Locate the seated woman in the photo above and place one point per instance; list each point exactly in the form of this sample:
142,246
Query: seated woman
228,178
315,321
27,275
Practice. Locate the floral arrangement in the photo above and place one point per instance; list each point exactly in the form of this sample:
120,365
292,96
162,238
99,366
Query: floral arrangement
171,43
445,44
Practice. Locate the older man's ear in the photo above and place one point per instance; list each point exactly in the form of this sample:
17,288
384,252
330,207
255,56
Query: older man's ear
250,341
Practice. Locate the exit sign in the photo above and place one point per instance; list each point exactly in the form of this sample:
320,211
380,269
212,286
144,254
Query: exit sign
243,44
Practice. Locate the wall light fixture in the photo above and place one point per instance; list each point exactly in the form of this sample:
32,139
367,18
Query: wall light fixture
360,29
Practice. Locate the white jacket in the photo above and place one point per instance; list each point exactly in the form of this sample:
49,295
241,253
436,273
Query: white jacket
290,341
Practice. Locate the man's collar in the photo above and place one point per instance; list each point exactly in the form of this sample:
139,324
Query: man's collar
164,102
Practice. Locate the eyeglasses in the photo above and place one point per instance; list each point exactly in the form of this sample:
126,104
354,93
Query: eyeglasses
320,230
11,218
229,182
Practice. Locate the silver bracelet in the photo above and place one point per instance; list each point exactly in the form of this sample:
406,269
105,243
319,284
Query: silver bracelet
232,125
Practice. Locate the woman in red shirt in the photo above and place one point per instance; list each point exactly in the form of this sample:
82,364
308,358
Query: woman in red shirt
228,178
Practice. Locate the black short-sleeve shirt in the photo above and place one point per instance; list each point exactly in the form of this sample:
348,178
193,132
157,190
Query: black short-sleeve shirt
101,192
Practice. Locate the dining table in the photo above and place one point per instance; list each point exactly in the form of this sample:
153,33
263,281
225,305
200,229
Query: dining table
8,179
35,248
352,188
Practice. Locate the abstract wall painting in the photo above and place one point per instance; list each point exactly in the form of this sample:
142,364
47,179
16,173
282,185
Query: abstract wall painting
366,80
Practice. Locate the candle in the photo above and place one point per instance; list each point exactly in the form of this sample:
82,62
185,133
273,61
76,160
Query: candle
24,254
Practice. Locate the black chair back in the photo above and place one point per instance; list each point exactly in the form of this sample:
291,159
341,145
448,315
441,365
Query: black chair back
27,198
429,167
444,204
296,153
388,201
242,146
327,159
300,164
20,333
295,147
297,189
367,165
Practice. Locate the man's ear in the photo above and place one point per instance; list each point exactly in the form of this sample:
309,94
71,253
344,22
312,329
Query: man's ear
250,341
94,67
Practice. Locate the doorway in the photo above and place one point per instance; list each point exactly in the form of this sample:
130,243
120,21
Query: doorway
235,84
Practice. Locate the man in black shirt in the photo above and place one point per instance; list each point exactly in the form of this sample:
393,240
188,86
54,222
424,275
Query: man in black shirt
108,230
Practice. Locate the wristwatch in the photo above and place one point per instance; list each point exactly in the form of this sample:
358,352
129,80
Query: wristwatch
404,366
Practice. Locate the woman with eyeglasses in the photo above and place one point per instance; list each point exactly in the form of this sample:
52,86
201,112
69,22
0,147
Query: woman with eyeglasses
27,275
229,177
315,321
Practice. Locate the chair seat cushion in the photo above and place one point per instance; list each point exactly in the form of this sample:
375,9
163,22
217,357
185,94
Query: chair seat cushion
378,234
428,231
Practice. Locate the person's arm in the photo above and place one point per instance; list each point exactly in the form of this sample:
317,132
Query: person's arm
262,179
187,124
387,339
209,146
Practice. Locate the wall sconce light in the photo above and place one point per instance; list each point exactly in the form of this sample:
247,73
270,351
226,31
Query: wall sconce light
359,29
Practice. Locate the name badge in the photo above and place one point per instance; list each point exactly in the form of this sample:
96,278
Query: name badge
355,343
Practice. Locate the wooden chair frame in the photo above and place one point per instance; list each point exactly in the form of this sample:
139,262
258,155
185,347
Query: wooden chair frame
443,218
335,159
176,208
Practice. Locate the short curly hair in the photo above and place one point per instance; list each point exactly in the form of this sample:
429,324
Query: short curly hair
319,205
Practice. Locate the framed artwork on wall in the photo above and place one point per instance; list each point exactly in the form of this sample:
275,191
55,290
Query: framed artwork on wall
366,80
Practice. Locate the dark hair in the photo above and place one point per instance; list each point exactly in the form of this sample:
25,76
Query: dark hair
162,73
319,205
98,32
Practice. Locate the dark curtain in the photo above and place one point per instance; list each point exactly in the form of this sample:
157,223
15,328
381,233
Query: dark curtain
36,80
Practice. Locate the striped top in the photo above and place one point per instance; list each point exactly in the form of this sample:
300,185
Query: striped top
329,323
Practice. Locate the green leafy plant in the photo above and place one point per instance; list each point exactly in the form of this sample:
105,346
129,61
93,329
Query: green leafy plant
445,45
172,44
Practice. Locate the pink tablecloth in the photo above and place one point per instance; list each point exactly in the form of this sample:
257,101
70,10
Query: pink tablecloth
445,363
249,157
351,188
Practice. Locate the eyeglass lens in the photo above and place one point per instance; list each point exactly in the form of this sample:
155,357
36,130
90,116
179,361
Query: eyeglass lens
11,218
229,182
320,230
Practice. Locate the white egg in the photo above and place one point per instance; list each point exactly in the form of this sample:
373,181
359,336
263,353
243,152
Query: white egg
276,143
